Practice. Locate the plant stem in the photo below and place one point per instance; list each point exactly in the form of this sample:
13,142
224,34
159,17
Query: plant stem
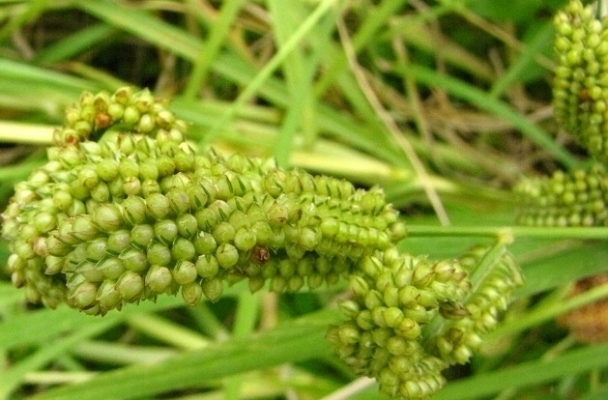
167,332
20,132
246,316
517,232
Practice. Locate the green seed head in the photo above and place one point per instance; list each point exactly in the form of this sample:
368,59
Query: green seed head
187,226
142,213
224,232
205,243
101,193
245,239
159,254
45,222
277,215
132,186
96,249
54,247
88,177
179,201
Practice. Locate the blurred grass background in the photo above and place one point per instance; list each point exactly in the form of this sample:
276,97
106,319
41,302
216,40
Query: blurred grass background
445,104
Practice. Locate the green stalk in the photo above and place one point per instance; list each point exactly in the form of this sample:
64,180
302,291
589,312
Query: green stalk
167,332
121,353
208,323
244,324
25,132
299,340
12,378
517,232
55,377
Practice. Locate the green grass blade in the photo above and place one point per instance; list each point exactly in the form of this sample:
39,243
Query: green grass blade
31,75
483,101
547,312
417,33
290,44
43,325
9,295
369,29
246,316
141,24
167,332
34,9
298,340
541,274
526,374
525,60
285,21
75,44
10,379
210,49
300,68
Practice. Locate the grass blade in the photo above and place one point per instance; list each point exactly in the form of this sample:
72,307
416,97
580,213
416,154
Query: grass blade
300,340
529,373
482,100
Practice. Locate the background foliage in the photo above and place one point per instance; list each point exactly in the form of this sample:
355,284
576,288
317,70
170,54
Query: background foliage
445,104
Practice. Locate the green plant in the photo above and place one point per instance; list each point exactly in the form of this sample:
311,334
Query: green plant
444,105
125,210
580,95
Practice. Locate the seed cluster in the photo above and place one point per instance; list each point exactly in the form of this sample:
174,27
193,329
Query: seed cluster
459,334
410,317
580,87
578,198
126,210
141,213
580,100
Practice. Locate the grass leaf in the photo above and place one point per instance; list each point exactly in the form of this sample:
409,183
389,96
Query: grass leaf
296,341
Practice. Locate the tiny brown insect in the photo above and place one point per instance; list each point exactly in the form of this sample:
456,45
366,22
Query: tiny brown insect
261,255
583,95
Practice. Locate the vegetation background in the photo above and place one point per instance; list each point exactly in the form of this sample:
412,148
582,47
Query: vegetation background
445,104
